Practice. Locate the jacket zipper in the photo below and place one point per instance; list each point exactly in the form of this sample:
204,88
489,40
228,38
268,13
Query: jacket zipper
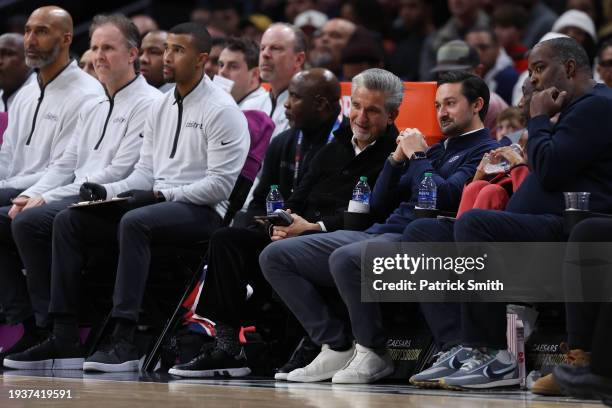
40,99
110,111
179,103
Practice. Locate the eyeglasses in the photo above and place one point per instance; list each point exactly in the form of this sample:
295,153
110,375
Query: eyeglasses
606,63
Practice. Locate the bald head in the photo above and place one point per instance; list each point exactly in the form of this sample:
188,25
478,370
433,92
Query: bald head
47,39
55,16
13,70
314,99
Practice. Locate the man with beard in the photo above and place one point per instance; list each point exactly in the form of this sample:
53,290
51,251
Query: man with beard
328,45
195,142
14,73
44,113
152,59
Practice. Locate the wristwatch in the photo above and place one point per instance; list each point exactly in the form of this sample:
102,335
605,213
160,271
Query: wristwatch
418,156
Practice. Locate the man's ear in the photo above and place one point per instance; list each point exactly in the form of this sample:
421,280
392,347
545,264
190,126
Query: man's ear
133,55
570,68
300,58
202,58
393,114
478,105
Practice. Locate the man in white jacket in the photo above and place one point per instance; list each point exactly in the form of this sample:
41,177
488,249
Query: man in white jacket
104,148
44,113
195,143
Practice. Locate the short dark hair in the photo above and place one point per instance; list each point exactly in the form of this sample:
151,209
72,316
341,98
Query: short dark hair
472,87
510,15
218,42
201,37
124,24
566,48
484,30
248,48
602,47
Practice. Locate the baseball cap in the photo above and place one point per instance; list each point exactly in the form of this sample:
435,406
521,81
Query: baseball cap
456,55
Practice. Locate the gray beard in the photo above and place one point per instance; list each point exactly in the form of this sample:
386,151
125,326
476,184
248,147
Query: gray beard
45,60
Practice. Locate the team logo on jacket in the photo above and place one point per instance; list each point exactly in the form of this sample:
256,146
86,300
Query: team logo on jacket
193,124
51,116
454,158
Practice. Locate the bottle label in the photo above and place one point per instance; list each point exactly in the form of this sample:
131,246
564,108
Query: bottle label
272,206
427,199
358,207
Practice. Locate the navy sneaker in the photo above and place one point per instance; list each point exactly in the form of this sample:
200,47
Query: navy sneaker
212,362
580,382
484,369
447,363
117,355
48,355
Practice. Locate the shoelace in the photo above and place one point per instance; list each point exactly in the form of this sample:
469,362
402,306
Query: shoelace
441,355
477,358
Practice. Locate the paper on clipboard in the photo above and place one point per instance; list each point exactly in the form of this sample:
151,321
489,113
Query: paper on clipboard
82,204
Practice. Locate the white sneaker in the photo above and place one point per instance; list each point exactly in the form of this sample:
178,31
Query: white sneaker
323,367
366,366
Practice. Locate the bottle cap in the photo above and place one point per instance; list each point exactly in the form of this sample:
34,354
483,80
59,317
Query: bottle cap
428,174
274,187
363,178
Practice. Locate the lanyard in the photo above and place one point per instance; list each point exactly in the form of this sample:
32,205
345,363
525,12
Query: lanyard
298,151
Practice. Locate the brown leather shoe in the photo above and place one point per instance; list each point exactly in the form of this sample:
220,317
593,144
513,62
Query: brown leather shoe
547,386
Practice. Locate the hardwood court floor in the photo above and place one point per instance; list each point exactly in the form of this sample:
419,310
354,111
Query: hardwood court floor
152,391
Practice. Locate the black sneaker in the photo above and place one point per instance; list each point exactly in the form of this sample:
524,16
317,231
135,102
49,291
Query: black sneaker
213,362
116,355
580,382
305,352
26,341
48,355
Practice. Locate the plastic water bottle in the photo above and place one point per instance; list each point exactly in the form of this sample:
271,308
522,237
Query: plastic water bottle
503,165
274,200
360,202
428,192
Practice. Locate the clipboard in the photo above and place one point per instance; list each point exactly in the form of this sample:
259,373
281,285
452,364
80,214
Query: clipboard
88,204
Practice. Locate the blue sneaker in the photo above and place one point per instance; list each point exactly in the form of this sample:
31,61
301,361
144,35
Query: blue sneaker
447,363
485,369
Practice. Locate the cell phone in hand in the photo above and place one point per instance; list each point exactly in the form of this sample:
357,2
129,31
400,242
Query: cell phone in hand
279,218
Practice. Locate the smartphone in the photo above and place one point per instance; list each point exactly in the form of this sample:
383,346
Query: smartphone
279,218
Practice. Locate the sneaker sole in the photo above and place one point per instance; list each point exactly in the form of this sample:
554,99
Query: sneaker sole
433,384
281,376
110,368
225,372
317,378
51,364
493,384
382,374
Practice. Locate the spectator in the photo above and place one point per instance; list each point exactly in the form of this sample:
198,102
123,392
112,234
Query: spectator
310,21
227,14
332,38
239,62
592,9
14,72
414,25
202,13
152,59
296,268
366,13
212,63
509,121
509,22
459,56
254,26
105,149
540,20
86,63
466,15
363,51
604,62
497,67
282,53
145,24
294,8
578,25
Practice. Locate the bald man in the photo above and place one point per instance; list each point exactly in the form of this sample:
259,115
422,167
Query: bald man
42,118
282,53
328,46
14,73
316,164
